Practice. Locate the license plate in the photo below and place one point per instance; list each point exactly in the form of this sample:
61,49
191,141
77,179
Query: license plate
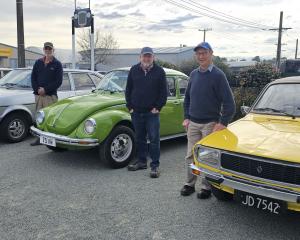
47,141
260,202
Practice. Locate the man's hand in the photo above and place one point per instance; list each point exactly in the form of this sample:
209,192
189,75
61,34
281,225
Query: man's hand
154,110
218,127
186,123
41,91
131,111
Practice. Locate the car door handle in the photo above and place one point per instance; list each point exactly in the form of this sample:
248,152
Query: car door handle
176,102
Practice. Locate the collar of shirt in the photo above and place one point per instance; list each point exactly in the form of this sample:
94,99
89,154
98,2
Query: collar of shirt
210,68
146,70
44,60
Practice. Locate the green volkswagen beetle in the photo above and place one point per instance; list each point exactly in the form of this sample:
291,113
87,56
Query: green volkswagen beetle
101,119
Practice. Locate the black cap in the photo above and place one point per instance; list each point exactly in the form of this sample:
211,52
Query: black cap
147,50
48,44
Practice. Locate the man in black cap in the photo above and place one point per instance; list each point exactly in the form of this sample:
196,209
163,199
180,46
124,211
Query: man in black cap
208,107
146,94
46,78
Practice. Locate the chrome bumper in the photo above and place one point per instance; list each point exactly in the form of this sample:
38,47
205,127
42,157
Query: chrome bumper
250,187
85,142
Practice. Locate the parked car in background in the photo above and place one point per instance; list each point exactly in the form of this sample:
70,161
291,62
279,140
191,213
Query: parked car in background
256,160
17,104
4,71
102,120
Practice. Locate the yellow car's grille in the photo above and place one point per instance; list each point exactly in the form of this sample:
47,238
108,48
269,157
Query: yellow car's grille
262,168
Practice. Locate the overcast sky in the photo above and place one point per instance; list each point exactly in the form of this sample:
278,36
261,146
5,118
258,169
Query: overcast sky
137,23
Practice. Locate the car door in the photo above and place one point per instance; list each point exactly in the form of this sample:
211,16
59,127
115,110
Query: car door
171,116
83,83
66,88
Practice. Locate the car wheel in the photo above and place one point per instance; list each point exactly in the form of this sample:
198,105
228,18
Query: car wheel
56,149
15,127
119,147
221,195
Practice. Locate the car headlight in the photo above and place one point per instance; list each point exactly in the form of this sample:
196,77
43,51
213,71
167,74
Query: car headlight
208,156
40,116
90,126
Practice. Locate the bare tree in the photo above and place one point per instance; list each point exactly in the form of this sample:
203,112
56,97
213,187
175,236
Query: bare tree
104,45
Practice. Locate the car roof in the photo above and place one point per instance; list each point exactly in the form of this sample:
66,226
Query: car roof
64,69
295,79
167,70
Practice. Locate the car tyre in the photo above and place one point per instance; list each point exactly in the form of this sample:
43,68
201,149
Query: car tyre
119,147
14,127
221,195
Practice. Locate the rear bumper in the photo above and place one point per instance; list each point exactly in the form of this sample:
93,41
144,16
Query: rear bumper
250,187
66,141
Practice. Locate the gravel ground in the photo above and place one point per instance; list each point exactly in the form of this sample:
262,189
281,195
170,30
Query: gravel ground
72,195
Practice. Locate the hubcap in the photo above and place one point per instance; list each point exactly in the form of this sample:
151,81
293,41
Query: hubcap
121,147
16,128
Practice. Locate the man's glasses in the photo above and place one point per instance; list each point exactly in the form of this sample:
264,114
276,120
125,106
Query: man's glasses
48,48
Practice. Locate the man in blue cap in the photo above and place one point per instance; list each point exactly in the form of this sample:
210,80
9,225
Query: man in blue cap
208,107
146,94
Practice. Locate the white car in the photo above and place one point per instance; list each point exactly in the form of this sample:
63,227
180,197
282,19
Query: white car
17,104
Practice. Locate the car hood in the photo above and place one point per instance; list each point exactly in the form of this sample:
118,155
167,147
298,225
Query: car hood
11,96
66,115
267,136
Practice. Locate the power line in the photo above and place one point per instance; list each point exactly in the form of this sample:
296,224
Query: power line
210,16
227,15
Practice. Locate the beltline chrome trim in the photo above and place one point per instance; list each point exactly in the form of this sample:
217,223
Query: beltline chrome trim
86,142
173,136
254,188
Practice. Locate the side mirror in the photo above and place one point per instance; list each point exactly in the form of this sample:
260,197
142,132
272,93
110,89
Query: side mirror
245,110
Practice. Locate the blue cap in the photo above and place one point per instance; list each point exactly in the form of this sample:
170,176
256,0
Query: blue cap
147,50
204,45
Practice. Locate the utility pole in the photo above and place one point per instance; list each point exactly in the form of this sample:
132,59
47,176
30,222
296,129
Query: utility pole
296,52
204,32
20,34
280,29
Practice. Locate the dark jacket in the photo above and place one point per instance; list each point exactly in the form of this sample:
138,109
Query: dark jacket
146,91
208,97
47,76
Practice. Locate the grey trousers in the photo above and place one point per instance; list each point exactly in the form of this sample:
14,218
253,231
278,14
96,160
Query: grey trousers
195,133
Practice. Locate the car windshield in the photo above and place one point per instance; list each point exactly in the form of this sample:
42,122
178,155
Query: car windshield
17,79
280,99
114,81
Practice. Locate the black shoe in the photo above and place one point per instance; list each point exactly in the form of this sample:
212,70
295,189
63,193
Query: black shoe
154,172
36,142
187,190
137,166
204,194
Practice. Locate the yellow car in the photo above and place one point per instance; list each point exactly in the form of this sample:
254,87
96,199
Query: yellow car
256,160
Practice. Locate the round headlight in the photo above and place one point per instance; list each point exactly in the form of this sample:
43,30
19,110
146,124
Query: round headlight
90,126
40,116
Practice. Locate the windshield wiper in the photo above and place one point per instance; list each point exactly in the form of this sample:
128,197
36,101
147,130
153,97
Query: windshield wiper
274,110
8,84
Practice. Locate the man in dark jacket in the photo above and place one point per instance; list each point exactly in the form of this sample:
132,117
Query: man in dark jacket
208,107
46,78
146,94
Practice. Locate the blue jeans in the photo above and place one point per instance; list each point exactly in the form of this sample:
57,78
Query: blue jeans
147,124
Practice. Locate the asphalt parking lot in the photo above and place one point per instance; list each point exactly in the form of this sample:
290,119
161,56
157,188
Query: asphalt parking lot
72,195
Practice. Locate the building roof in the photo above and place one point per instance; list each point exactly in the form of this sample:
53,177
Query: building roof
26,50
137,51
241,64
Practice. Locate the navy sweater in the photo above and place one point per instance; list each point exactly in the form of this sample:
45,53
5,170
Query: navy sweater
47,76
146,91
208,97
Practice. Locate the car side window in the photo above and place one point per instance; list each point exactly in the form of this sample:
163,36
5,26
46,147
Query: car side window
96,78
171,87
65,86
183,83
82,81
